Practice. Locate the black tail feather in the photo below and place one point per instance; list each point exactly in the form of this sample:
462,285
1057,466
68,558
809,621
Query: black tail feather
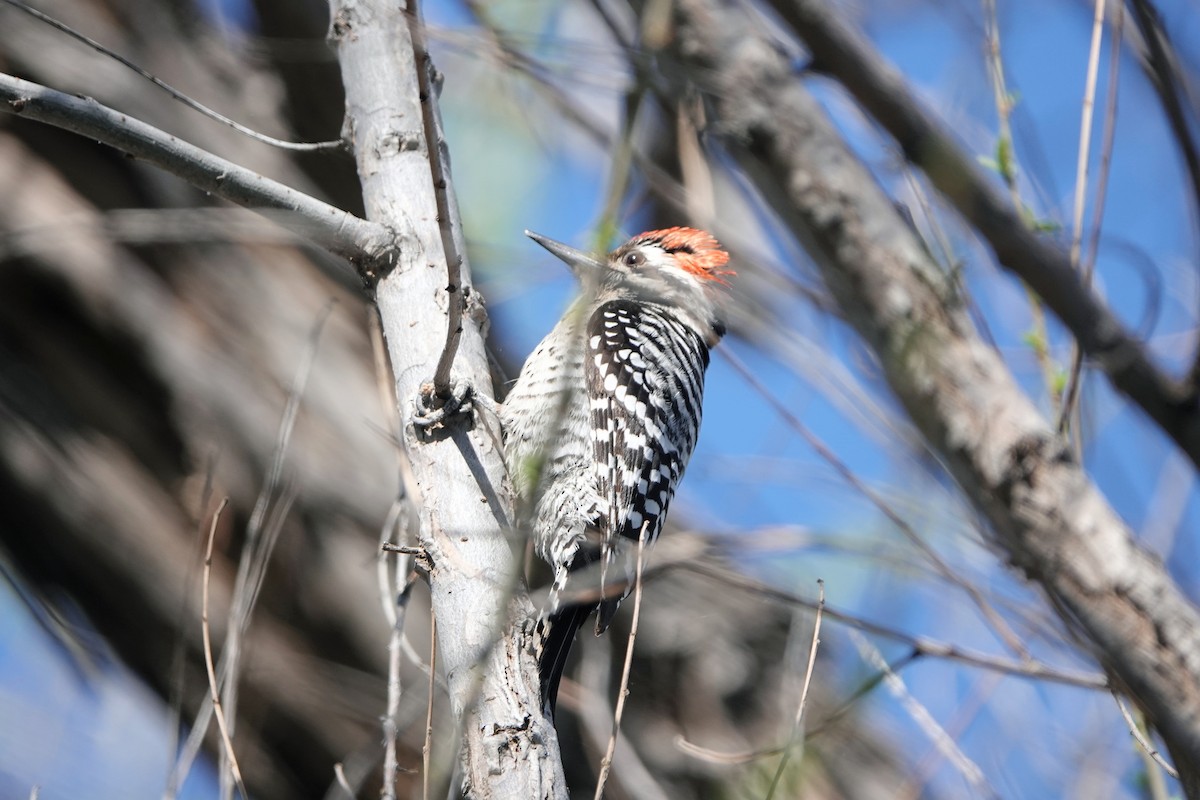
563,625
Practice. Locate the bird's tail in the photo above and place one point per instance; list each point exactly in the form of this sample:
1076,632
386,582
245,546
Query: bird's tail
562,625
561,628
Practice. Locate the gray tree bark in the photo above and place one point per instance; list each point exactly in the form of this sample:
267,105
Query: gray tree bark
483,614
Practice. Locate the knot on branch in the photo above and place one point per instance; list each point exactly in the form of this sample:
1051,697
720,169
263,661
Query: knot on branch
382,251
435,410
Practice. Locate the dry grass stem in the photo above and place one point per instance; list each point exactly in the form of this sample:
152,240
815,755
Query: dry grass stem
427,747
623,692
797,729
214,688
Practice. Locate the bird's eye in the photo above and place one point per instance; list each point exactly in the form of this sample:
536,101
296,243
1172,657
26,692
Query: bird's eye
634,259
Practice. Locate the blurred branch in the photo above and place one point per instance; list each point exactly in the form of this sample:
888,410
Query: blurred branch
920,715
921,645
228,757
1068,420
1008,167
1135,731
1053,523
362,243
595,714
1162,65
845,54
195,105
998,625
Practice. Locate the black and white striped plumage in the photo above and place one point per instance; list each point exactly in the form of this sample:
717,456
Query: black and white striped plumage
601,423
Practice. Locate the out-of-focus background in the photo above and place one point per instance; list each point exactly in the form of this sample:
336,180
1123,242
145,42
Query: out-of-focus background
151,339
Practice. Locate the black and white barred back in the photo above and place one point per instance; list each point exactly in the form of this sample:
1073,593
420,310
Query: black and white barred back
607,409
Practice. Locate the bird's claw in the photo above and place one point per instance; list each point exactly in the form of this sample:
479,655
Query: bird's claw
433,410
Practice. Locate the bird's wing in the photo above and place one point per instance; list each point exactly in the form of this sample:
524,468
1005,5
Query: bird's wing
645,377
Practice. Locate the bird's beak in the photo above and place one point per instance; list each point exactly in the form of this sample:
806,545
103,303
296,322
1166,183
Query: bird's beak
580,262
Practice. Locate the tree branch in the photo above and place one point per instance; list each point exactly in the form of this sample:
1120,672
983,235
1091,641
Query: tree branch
362,243
482,611
447,203
843,52
1053,523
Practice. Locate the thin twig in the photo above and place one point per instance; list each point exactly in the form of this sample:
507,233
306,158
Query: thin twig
922,646
183,759
340,232
287,424
448,216
339,774
969,770
512,58
1085,131
1162,62
383,578
621,162
623,691
403,549
195,105
586,698
427,747
965,714
808,673
1006,165
394,593
1067,410
214,689
1137,735
265,524
745,757
1106,144
1075,378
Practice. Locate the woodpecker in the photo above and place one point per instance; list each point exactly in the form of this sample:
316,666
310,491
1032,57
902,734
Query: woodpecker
606,411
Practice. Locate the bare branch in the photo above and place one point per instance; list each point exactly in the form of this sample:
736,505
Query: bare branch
195,105
844,53
921,646
362,243
1055,525
427,747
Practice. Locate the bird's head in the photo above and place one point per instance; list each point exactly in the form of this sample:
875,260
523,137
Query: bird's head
674,267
